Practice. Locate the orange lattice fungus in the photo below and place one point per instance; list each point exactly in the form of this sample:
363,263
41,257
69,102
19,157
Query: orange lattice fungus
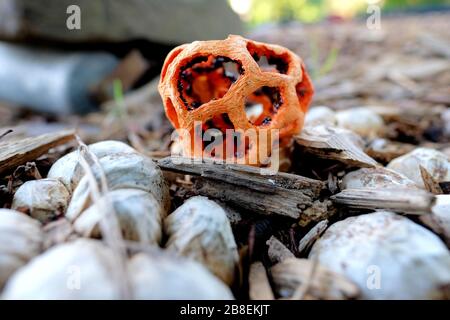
235,85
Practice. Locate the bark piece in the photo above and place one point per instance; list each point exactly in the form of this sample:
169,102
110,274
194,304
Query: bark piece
260,288
402,200
13,154
332,143
243,186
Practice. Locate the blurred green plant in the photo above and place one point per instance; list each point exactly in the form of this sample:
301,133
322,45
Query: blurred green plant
402,4
264,11
119,111
286,10
321,68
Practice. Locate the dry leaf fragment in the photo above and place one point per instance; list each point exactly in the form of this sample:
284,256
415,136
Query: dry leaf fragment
431,185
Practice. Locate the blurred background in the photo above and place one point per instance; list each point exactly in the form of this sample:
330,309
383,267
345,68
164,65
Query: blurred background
257,12
94,64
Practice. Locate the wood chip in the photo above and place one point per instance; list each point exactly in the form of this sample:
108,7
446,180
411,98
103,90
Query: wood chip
13,154
260,288
431,185
435,44
243,186
293,273
327,142
308,240
401,200
384,150
277,251
318,211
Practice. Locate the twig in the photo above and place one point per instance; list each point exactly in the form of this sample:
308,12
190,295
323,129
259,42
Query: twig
109,224
303,289
312,235
402,200
5,133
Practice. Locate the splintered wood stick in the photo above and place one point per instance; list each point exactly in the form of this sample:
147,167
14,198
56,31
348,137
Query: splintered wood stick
259,284
16,153
277,251
312,235
400,200
243,186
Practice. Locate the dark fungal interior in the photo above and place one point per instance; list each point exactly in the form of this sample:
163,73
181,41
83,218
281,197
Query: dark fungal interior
207,78
238,143
263,104
268,60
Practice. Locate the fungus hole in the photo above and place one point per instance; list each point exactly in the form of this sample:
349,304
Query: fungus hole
263,104
268,60
221,142
207,78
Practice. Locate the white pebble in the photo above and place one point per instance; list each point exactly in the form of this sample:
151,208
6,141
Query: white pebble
362,121
200,230
435,162
387,255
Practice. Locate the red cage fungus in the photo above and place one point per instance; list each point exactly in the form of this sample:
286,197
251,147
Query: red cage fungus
235,84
